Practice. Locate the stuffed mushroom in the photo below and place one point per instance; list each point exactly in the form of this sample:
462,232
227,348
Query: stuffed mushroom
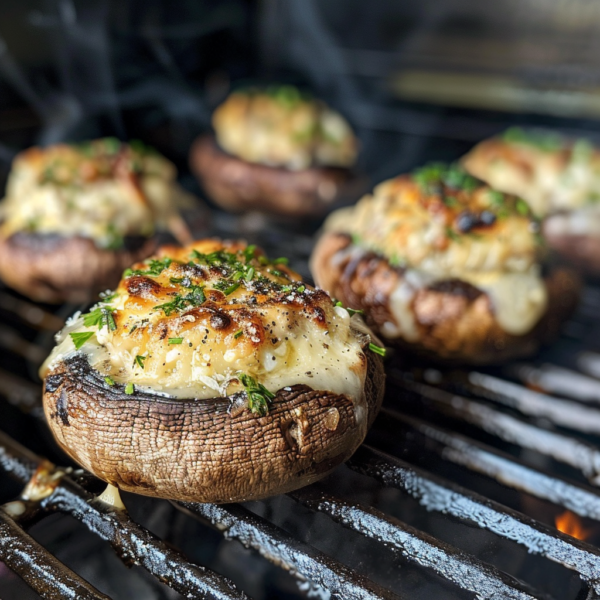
277,151
212,374
75,216
444,264
559,179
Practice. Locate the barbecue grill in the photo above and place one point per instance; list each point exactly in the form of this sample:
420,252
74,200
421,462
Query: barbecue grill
471,484
455,493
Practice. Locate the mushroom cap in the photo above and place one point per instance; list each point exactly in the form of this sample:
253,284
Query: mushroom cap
237,185
455,321
53,268
208,450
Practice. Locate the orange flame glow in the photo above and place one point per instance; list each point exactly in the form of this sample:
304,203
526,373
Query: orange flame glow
568,523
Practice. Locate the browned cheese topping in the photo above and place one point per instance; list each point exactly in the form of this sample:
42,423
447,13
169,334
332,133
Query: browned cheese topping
103,189
280,126
214,318
440,223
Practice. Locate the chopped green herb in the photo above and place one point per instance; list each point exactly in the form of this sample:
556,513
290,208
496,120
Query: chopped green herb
114,239
174,341
80,338
259,397
543,140
155,267
431,177
281,261
139,359
450,201
112,145
522,207
238,334
496,197
249,274
129,389
351,311
249,252
451,234
582,151
109,380
231,289
301,289
179,303
237,276
377,349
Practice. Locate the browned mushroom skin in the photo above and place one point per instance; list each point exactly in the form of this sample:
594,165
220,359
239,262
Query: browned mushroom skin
580,251
51,268
195,450
455,320
237,185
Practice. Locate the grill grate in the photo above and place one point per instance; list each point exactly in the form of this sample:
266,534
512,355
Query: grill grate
442,438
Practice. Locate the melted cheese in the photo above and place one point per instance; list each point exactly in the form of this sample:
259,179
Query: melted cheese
282,128
99,197
398,222
280,339
566,177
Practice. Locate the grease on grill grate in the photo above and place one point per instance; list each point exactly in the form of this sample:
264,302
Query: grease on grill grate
455,494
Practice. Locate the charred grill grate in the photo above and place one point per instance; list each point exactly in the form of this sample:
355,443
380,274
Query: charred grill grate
462,448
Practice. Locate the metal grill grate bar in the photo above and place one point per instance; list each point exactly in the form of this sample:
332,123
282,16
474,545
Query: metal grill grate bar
39,568
579,455
500,467
132,542
564,413
274,544
558,380
440,495
456,566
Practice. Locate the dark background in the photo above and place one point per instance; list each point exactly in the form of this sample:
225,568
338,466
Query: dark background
418,81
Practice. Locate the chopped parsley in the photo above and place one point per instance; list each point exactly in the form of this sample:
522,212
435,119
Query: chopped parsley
377,349
109,380
433,176
259,397
451,234
101,316
238,334
179,303
522,207
351,311
155,267
139,359
547,141
79,339
129,389
496,198
175,341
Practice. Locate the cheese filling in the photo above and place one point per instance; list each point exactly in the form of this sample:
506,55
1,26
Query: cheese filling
421,233
271,327
103,191
281,127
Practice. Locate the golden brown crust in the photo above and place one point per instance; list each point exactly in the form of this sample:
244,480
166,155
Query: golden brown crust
455,321
197,450
51,268
237,185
